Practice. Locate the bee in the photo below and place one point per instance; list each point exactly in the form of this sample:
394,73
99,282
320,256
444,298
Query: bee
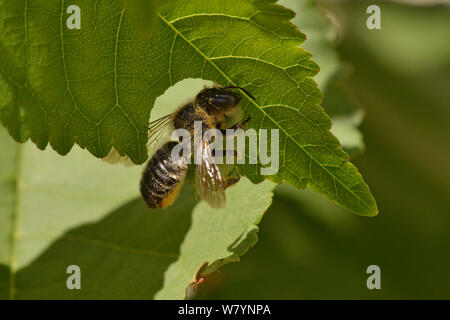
163,176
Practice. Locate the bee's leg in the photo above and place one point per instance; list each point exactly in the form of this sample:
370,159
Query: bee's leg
233,176
243,123
239,125
231,181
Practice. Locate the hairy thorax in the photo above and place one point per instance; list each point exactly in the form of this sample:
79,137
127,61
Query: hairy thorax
190,113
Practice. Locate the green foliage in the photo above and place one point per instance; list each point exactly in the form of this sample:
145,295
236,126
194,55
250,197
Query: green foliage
54,214
96,86
323,252
332,78
142,15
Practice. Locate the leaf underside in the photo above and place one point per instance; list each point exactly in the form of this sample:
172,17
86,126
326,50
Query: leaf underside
57,215
96,86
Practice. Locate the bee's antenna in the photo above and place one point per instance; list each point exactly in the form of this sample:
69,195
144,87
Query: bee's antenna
245,91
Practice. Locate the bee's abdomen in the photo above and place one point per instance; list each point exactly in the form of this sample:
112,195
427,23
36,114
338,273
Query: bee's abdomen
162,178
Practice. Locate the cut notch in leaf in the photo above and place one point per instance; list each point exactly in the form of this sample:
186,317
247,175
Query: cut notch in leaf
96,86
52,218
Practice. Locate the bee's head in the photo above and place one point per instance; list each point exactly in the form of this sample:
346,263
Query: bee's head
221,99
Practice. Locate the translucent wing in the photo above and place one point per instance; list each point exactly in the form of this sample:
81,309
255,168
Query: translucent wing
208,179
156,130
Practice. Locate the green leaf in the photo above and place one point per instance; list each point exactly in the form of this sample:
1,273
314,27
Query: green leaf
43,194
218,236
143,15
58,211
312,21
96,86
339,104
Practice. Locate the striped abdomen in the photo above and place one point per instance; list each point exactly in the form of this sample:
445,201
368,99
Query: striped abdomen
162,178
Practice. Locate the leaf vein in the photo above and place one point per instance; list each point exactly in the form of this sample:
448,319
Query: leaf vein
257,106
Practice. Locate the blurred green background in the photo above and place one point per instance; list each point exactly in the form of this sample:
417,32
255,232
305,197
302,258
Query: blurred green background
308,247
401,78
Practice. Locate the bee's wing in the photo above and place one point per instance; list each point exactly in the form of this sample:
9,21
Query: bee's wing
208,179
156,129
